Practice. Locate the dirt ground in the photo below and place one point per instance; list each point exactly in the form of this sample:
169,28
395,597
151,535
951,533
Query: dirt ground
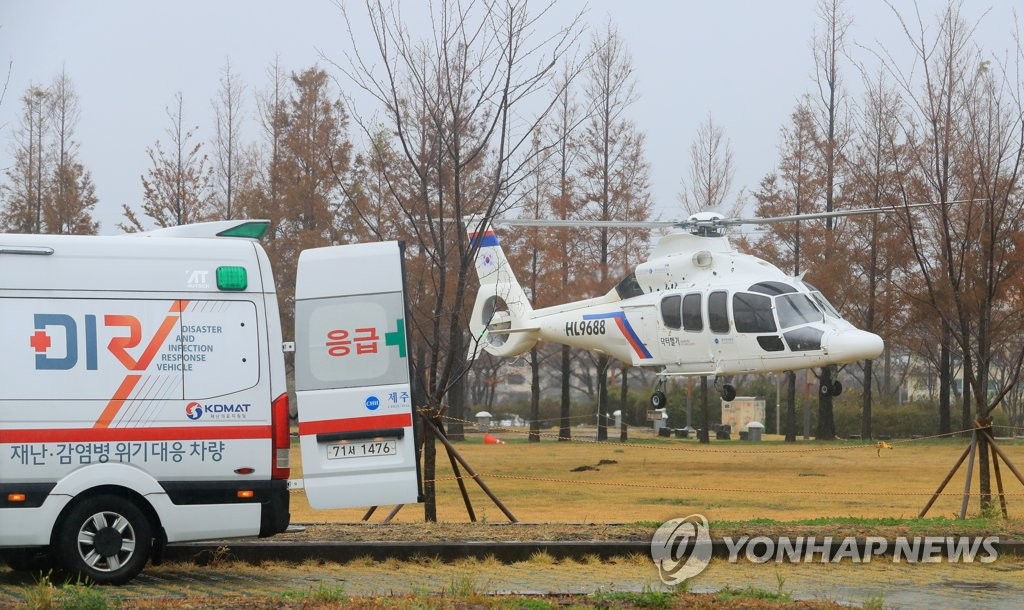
652,480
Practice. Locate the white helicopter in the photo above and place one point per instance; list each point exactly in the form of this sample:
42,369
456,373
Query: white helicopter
697,307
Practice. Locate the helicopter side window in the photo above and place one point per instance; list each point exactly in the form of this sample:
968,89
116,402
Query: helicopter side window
753,313
629,287
796,309
692,318
718,316
670,311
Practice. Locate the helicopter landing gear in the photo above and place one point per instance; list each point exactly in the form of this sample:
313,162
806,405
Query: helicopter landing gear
834,390
728,393
658,398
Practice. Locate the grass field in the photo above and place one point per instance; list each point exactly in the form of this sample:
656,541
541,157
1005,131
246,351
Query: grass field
655,479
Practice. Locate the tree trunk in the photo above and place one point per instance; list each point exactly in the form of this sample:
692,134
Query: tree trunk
623,409
791,408
457,399
826,423
705,409
534,397
945,366
602,398
429,474
865,416
965,420
564,429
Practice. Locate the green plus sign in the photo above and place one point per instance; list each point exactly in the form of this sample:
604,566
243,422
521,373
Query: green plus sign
397,338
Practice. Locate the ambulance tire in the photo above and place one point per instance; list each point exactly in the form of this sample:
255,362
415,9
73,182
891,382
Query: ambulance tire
106,539
34,559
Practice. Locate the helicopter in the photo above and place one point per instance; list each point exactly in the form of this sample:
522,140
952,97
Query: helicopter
697,307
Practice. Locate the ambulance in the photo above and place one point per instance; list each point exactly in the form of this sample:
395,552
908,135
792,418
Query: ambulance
144,398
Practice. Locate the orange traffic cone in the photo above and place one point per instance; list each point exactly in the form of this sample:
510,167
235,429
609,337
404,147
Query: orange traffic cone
490,440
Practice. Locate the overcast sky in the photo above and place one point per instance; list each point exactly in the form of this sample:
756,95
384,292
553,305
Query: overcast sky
744,61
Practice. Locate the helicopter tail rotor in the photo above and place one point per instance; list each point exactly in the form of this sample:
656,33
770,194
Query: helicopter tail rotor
501,318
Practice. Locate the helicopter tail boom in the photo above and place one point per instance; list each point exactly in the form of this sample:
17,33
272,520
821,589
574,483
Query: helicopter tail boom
501,318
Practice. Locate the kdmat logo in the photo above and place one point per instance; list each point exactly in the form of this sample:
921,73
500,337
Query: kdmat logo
195,410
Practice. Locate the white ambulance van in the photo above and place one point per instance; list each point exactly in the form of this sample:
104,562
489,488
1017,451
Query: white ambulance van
144,398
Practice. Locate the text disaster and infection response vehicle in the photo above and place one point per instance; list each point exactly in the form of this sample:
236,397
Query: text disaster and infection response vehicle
144,399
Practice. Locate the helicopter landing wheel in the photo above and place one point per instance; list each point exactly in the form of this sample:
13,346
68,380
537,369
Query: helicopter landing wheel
658,399
728,393
834,390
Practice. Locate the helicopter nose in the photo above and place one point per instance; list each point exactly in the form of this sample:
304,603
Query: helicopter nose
852,345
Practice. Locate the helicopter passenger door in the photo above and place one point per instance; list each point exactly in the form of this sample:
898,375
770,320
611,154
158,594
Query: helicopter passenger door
682,337
723,340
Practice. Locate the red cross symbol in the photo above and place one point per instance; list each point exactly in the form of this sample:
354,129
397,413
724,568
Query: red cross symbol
40,341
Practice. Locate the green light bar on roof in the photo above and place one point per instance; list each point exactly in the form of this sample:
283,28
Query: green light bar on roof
254,229
232,278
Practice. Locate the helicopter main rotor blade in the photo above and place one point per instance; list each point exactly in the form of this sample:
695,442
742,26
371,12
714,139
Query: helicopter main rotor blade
835,214
589,224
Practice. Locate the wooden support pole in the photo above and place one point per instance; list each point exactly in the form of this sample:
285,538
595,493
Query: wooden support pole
1007,461
469,470
391,515
970,474
999,479
369,513
462,486
942,486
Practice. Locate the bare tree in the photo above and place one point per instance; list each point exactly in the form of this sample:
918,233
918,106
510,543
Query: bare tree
795,189
452,102
23,212
176,189
880,254
711,172
70,195
615,173
829,47
567,118
969,119
227,148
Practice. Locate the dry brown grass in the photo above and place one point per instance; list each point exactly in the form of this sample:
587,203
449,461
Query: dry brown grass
730,480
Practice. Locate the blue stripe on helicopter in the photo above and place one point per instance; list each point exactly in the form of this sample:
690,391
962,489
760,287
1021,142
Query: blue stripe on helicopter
487,240
627,330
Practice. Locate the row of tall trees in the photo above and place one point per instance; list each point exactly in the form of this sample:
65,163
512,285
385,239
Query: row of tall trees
48,190
493,112
940,283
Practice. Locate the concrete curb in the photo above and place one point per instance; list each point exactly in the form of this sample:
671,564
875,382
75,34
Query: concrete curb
258,551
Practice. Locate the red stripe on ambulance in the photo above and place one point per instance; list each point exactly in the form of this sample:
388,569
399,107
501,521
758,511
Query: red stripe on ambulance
355,424
96,435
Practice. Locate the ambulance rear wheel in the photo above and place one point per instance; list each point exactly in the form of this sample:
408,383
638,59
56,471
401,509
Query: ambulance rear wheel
106,539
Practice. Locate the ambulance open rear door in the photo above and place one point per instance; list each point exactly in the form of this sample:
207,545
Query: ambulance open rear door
352,376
